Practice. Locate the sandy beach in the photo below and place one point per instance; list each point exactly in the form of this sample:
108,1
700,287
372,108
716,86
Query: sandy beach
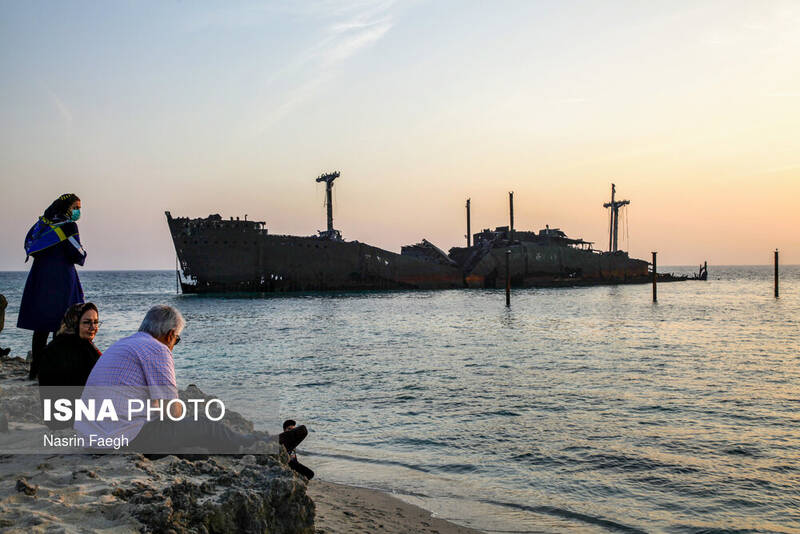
131,493
347,509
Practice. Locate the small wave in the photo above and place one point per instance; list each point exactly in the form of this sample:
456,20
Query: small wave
374,461
696,530
568,514
575,448
457,468
678,486
739,503
420,442
274,372
314,384
656,408
507,413
781,468
742,451
625,463
536,459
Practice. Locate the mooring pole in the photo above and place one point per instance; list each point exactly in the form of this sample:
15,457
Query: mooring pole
508,278
655,278
511,213
469,233
776,273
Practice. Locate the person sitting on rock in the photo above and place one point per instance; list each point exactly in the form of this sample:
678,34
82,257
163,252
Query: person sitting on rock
290,438
65,364
140,368
70,357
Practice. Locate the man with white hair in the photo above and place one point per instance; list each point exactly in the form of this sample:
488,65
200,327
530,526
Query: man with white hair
140,369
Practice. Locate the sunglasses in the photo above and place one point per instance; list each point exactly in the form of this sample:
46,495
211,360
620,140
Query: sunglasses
177,339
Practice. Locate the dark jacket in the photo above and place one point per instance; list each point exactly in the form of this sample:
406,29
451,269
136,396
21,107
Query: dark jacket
67,361
52,286
64,367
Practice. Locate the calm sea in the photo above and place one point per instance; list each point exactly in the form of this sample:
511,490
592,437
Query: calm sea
576,410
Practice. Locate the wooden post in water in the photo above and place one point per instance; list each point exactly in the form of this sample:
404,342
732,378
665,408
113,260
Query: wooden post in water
511,215
508,278
776,273
469,232
655,278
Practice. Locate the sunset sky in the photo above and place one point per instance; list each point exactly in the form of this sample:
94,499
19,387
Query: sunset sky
692,108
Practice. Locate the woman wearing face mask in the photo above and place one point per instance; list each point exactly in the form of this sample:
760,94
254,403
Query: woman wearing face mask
53,284
65,364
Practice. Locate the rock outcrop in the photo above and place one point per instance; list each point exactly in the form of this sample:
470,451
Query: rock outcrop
252,493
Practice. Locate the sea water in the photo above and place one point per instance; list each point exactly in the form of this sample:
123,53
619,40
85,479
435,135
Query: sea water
586,409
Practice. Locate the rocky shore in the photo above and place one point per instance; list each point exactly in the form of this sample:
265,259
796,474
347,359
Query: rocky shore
252,493
129,493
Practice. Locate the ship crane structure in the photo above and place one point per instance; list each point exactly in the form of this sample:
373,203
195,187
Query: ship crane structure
613,231
331,233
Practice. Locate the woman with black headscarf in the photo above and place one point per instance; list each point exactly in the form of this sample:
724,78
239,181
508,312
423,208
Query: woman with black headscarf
53,284
65,364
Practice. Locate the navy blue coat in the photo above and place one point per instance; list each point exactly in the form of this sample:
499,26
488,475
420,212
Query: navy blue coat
52,285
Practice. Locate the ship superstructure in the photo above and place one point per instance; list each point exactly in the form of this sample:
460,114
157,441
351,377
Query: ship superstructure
544,258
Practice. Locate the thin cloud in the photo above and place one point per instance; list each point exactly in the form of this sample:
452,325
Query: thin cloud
356,26
355,41
298,95
62,109
232,17
343,27
339,8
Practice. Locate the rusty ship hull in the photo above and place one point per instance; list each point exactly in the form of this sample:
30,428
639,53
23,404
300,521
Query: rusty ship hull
537,265
542,259
217,255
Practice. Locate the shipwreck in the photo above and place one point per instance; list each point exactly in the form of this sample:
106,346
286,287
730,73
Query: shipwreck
240,255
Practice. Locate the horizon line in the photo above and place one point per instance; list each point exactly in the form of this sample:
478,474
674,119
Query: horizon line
173,270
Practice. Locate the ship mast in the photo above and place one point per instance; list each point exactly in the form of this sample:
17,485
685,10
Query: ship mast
328,178
615,205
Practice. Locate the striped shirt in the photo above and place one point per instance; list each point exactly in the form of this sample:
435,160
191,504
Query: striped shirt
136,367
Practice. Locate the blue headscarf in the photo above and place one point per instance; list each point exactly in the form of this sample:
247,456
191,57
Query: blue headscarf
50,229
